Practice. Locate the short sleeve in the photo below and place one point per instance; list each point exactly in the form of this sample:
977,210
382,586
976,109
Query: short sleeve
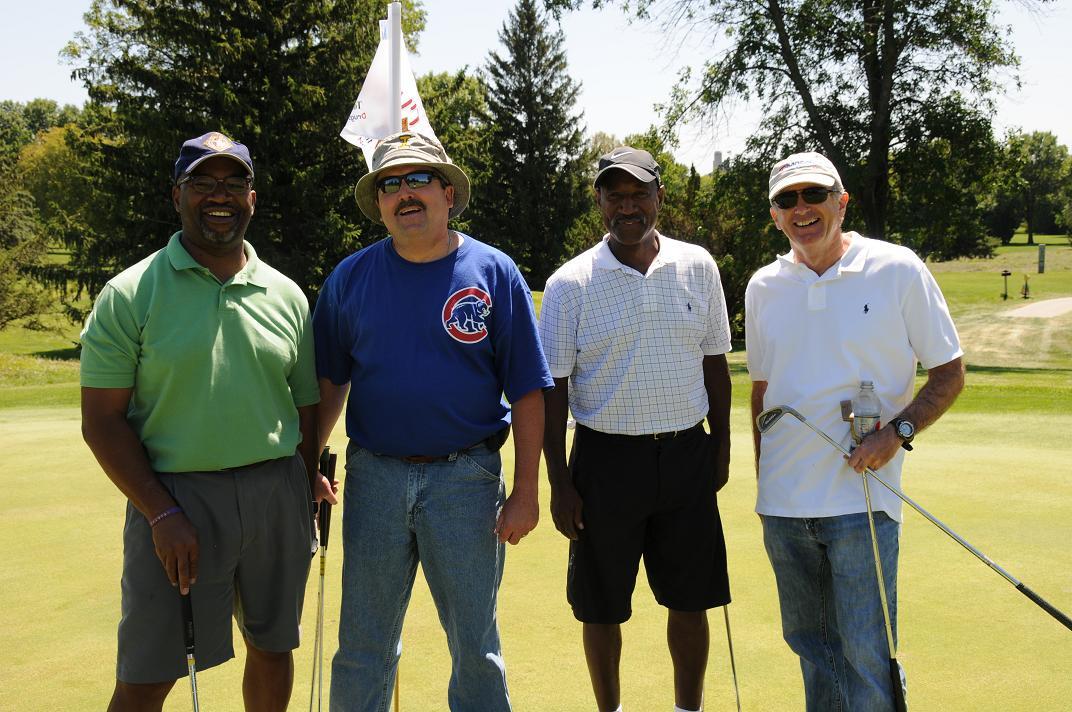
333,359
558,329
111,342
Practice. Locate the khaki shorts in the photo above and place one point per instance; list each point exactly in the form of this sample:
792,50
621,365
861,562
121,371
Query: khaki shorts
255,535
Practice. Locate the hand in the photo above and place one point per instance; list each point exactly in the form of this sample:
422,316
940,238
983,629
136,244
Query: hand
175,541
325,490
566,509
722,464
518,517
876,449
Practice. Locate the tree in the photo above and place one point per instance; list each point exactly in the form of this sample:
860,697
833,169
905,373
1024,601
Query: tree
533,185
279,76
852,78
1040,167
22,247
457,108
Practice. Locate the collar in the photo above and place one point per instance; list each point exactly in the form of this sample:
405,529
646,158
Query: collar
669,252
853,260
250,274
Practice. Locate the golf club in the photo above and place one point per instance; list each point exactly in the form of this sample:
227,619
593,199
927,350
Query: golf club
766,420
188,637
733,663
899,703
327,468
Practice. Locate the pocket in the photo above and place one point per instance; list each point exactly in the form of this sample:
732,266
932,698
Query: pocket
482,465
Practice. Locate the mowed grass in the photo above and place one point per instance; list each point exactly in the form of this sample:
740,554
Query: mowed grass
995,469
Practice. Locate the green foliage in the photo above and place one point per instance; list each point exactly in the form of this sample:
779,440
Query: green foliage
457,108
22,248
278,76
1041,172
532,185
939,179
855,79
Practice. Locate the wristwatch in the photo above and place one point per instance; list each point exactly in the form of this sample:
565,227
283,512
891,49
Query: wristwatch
906,430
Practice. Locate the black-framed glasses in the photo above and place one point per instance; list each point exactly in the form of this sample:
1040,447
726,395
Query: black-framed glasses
206,185
415,180
812,196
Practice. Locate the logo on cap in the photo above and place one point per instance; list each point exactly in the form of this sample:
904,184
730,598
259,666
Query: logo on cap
218,142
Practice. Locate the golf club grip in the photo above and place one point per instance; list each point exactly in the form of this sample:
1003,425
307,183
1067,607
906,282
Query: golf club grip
1044,605
187,623
325,506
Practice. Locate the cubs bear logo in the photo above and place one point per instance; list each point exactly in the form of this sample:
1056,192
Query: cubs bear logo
465,313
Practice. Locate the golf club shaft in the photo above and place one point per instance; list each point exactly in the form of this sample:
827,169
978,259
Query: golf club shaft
896,689
733,662
323,511
188,639
765,421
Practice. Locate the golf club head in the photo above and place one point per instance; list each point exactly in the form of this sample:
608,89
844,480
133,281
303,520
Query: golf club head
770,416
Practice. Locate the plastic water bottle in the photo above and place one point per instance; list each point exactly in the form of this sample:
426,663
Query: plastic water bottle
866,410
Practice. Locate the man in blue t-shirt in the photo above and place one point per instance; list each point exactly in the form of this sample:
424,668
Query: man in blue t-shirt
431,333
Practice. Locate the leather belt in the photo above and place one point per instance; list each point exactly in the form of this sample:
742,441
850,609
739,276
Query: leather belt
668,435
493,442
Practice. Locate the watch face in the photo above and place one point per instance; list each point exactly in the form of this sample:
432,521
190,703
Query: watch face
905,429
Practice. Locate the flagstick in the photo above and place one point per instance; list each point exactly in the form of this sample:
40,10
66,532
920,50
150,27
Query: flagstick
394,34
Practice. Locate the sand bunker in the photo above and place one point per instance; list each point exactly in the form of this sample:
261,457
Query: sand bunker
1044,309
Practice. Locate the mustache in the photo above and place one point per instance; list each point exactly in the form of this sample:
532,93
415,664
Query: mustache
409,203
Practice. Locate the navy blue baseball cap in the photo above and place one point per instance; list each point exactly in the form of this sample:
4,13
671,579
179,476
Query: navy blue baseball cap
212,144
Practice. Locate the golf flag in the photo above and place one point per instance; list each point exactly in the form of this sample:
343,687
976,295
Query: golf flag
370,118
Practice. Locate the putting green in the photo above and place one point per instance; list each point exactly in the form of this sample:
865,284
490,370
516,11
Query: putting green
969,641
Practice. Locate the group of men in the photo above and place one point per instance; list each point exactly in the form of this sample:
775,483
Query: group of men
208,388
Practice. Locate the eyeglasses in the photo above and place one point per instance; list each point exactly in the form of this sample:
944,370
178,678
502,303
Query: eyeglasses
415,181
206,185
812,196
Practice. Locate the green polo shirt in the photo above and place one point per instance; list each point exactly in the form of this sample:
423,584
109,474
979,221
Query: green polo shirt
217,370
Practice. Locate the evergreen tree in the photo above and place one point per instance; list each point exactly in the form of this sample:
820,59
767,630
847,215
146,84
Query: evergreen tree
279,76
533,185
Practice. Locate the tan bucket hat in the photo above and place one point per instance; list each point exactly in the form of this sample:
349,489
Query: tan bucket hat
407,148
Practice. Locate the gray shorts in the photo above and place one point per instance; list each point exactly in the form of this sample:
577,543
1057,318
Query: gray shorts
255,535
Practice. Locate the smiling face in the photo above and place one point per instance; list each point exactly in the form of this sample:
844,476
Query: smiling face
628,206
415,213
814,231
215,222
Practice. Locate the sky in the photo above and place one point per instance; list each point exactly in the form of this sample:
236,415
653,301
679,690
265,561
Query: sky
624,68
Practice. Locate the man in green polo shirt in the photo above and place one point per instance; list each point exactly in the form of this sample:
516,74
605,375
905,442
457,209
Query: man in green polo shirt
199,394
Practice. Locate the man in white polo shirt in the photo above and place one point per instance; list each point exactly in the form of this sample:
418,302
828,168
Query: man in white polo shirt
635,331
836,310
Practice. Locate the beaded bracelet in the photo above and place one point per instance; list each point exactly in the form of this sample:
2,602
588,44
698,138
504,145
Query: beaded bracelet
164,515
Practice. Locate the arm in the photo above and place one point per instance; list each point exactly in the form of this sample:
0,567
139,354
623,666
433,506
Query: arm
717,382
332,401
759,389
944,383
310,453
521,512
566,504
122,457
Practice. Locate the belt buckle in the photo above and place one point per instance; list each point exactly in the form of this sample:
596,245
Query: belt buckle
668,435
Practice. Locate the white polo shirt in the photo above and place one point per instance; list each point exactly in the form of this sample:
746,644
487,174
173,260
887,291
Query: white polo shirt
813,339
633,344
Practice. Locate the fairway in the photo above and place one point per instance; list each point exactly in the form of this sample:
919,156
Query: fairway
996,469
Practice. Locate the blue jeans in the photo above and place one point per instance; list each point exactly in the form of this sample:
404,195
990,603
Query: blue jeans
442,515
831,611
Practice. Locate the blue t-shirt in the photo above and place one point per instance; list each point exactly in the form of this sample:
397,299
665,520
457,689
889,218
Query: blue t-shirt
429,348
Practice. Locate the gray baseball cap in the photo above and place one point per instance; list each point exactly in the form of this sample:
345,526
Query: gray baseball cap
634,161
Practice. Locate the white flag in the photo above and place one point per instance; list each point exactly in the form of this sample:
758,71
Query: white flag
370,118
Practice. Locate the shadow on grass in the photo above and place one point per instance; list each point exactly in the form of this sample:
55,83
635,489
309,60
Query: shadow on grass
1016,369
68,354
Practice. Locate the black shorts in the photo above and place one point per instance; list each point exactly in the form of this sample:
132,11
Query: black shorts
650,498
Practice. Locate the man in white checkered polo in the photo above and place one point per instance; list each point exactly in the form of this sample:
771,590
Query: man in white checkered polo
636,333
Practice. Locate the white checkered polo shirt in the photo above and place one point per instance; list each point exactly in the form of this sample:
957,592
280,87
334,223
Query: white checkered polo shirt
633,344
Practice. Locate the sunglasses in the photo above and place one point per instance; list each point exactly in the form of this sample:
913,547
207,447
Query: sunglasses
812,196
235,185
415,181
